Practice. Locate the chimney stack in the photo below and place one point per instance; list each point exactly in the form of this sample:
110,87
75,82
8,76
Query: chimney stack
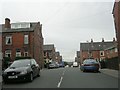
7,23
113,39
91,40
102,39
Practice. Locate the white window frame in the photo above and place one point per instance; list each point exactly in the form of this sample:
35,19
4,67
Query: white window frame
18,53
116,50
7,39
7,53
102,53
25,54
26,39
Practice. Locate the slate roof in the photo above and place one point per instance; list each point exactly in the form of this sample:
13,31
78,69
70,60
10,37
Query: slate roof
32,26
95,45
48,47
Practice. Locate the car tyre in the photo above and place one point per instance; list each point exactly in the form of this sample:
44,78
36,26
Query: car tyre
38,74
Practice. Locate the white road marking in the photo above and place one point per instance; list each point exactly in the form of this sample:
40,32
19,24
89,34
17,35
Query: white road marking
60,82
61,79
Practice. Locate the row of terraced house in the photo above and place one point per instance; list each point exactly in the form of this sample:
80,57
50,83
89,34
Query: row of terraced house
23,40
108,51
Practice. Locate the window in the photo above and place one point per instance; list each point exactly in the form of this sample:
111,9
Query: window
116,50
101,53
8,53
18,53
25,54
8,40
25,39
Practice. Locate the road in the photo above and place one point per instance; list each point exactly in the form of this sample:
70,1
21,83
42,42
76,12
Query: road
68,77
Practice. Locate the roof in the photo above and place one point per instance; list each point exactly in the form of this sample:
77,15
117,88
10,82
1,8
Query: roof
48,47
95,45
112,47
32,26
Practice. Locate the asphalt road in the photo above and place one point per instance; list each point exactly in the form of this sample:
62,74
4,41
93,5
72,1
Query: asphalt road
68,78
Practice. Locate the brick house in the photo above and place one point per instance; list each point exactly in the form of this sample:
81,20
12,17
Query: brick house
58,58
94,50
22,39
112,51
49,51
116,15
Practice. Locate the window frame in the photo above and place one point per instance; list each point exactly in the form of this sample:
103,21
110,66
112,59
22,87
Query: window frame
25,54
103,53
7,38
6,53
18,53
26,39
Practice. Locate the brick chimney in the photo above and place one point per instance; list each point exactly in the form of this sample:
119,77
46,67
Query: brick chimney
7,23
103,40
91,40
114,40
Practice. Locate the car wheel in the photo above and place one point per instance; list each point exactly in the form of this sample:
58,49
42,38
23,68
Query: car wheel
31,77
38,74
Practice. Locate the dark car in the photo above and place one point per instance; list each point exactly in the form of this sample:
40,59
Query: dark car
61,64
53,64
23,69
90,65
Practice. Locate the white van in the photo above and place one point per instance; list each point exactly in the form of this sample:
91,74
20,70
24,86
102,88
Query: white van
75,64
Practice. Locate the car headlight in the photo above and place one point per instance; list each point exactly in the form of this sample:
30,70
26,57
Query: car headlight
23,72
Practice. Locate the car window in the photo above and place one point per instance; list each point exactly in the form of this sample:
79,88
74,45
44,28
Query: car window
89,61
33,62
20,63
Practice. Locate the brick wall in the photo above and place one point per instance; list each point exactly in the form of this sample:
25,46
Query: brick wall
116,14
38,45
17,43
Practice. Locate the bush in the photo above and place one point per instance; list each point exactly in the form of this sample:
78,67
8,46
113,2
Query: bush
17,58
6,61
113,63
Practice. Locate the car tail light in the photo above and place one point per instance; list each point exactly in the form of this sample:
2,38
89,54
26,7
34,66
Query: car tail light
86,64
97,65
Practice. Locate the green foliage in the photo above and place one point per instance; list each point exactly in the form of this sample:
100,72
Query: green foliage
6,61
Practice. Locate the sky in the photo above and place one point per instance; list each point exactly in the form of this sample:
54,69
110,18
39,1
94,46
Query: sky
65,23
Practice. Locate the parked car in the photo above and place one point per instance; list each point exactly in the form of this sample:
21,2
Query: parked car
23,69
61,64
90,65
53,64
75,64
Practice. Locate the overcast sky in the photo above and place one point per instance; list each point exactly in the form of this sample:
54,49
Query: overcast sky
66,23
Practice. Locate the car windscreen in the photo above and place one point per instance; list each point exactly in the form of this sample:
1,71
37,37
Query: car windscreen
90,62
20,63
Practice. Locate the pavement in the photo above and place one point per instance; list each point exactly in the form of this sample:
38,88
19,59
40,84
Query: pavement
111,72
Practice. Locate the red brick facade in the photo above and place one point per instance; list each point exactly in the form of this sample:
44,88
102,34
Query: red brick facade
116,14
33,49
97,50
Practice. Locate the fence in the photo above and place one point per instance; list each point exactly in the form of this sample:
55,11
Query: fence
112,63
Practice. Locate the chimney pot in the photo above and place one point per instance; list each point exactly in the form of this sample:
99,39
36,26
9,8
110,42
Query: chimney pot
91,40
113,39
102,39
7,23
